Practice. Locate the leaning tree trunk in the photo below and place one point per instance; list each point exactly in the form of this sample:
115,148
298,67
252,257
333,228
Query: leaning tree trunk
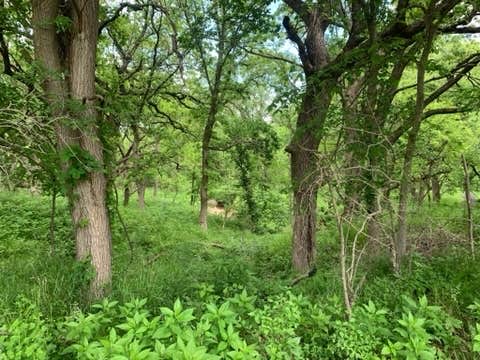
76,57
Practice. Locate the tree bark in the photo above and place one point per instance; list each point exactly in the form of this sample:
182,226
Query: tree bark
193,189
466,187
304,165
309,131
141,193
140,179
207,137
436,187
70,74
401,242
126,194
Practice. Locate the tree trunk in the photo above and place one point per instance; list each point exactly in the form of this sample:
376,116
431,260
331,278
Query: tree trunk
215,101
141,194
126,194
304,166
468,198
90,210
436,194
354,153
53,209
140,179
193,189
207,135
87,196
401,243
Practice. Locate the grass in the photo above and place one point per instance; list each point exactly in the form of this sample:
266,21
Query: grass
169,256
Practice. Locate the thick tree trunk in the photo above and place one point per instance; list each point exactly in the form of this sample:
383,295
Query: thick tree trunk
304,177
90,213
308,134
87,196
304,165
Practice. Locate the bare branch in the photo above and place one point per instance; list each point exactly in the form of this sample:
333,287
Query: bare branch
271,56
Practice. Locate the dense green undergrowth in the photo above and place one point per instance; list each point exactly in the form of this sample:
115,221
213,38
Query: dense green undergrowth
224,294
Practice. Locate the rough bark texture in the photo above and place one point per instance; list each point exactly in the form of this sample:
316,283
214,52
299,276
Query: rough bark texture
305,179
309,131
70,74
90,212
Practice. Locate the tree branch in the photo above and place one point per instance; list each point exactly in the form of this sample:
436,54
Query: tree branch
271,56
299,7
118,13
293,36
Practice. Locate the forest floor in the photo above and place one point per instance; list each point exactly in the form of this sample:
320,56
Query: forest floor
167,256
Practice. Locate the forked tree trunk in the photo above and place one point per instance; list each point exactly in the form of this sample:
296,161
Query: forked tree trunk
87,196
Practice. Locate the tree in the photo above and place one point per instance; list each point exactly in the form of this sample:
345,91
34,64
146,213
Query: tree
218,30
65,39
371,35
